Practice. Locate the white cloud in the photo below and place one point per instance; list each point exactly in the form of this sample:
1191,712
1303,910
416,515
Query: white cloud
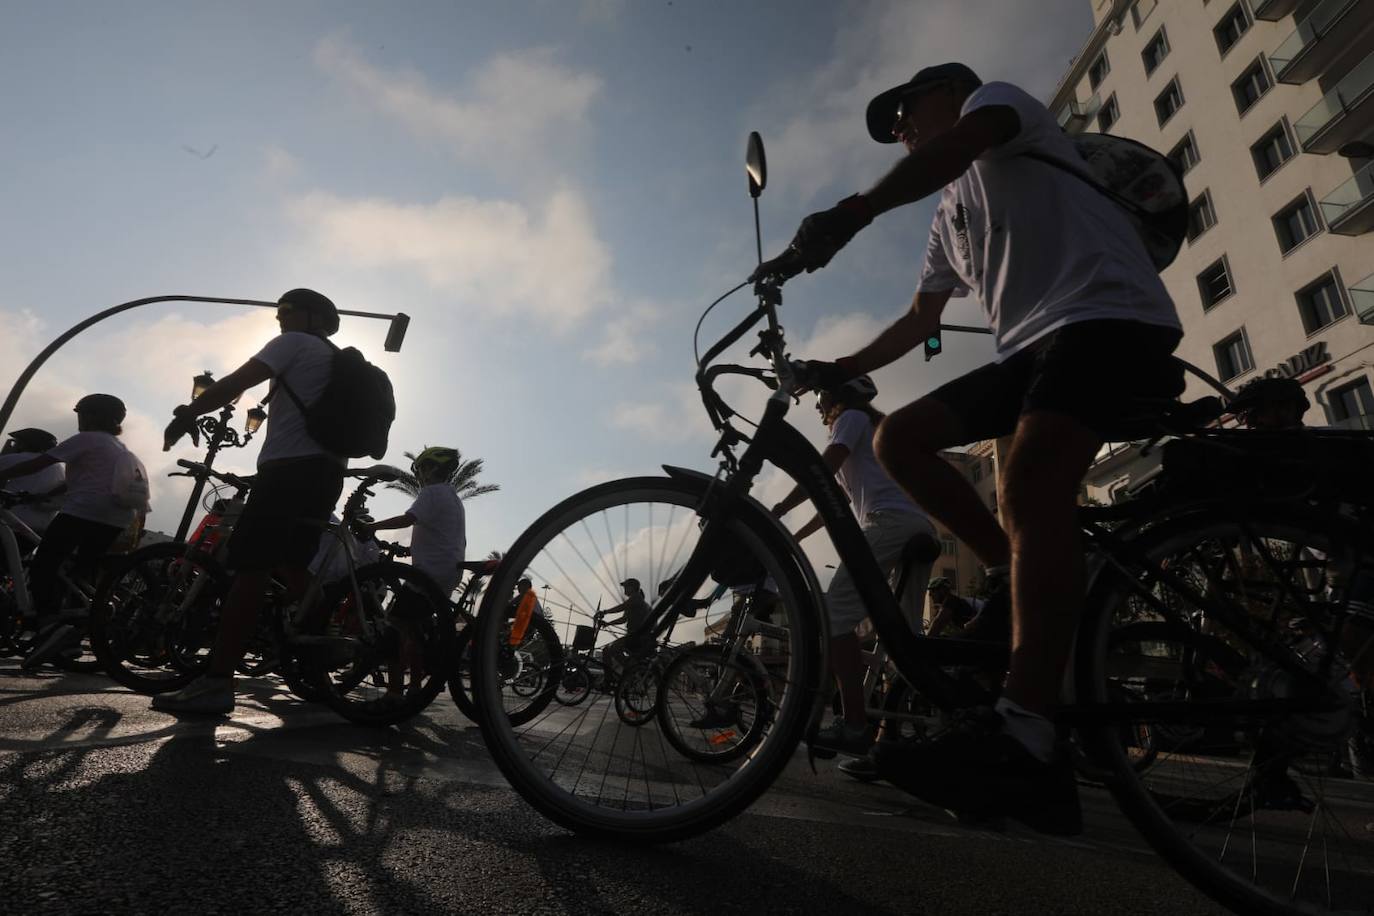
279,164
513,108
492,256
675,416
627,338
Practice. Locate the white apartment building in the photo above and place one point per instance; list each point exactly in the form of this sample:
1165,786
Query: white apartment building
1269,107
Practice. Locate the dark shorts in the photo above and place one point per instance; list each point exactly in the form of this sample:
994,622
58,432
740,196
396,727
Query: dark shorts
1111,376
285,514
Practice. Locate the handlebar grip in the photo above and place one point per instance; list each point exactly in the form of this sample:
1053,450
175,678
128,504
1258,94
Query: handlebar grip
189,465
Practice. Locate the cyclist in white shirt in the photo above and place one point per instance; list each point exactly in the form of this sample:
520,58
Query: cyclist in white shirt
889,520
437,546
1081,324
50,482
298,482
91,517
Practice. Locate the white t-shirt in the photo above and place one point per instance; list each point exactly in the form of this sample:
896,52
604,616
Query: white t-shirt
440,540
1039,247
91,459
305,362
36,515
861,476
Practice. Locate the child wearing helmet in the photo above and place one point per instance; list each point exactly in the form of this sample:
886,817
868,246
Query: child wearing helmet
91,518
437,546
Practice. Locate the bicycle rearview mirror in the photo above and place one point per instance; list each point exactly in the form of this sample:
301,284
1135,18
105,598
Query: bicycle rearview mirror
756,164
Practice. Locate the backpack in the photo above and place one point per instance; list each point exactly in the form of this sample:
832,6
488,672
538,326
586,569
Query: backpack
1142,181
129,482
352,416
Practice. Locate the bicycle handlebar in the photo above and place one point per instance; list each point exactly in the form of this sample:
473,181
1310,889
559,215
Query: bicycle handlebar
199,470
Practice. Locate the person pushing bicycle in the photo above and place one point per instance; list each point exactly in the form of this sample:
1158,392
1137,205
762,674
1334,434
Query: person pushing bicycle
1082,326
298,482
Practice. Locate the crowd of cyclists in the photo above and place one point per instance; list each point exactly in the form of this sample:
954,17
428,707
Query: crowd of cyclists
1081,324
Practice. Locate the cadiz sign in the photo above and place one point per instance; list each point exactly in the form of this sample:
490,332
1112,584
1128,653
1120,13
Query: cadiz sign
1301,363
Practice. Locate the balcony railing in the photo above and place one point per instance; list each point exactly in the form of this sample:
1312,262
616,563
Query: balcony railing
1363,421
1343,114
1349,210
1274,10
1324,38
1076,115
1362,297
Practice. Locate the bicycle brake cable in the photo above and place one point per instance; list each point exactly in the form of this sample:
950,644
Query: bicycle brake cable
696,353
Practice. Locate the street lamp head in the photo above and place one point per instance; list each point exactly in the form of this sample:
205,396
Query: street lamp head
200,383
254,419
396,333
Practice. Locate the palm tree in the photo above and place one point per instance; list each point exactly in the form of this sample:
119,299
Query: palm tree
463,479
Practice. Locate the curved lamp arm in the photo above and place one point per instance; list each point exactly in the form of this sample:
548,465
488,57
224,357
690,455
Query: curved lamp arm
400,320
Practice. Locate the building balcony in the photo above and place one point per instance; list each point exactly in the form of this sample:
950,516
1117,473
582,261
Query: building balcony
1325,41
1359,422
1349,210
1076,115
1362,297
1274,10
1344,114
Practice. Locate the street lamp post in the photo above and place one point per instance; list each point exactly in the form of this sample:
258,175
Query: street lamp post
218,434
395,336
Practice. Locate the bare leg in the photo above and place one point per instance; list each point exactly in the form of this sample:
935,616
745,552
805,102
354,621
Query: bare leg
907,444
1049,456
846,664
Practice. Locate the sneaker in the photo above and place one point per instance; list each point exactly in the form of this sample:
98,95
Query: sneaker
717,715
978,771
839,737
49,647
206,694
861,768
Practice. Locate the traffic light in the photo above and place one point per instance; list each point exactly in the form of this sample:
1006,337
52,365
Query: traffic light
934,347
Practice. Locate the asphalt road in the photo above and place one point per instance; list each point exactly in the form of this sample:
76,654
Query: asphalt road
109,807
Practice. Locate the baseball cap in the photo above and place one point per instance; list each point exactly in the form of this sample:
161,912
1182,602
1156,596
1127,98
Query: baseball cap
882,111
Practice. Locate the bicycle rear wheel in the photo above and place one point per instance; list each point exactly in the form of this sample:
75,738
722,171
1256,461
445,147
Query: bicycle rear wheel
1233,705
154,617
387,647
583,766
712,708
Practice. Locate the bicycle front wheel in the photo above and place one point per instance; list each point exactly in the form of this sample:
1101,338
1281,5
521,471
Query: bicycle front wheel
1232,706
154,617
586,767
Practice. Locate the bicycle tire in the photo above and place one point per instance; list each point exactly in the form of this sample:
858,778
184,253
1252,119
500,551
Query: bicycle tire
460,681
1175,802
684,797
383,598
679,707
636,695
575,685
142,642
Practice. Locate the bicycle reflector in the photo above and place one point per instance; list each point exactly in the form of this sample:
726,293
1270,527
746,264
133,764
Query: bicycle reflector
934,346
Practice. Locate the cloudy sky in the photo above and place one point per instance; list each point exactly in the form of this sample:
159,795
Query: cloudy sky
552,189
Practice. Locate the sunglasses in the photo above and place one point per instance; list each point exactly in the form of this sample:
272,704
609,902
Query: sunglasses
907,102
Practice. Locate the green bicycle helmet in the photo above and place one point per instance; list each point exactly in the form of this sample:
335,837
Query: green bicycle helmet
938,582
436,460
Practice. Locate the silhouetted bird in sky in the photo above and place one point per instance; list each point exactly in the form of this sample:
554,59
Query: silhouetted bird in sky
197,153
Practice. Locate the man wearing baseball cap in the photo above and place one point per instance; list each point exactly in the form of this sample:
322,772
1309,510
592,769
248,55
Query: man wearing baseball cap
1082,326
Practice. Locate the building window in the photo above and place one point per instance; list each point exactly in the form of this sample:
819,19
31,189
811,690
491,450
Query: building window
1272,150
1141,10
977,470
1320,303
1201,216
1099,70
1168,102
1155,51
1251,86
1109,114
1296,222
1214,283
1352,405
1233,356
1232,26
1185,154
948,546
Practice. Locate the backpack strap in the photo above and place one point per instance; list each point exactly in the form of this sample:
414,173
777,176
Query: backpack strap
1125,203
